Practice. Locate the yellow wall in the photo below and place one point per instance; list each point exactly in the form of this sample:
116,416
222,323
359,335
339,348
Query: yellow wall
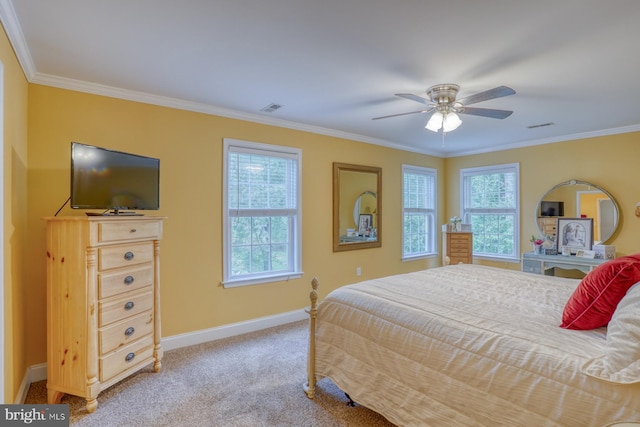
589,208
189,146
608,162
14,151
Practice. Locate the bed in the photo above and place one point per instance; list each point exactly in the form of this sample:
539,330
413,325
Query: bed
471,345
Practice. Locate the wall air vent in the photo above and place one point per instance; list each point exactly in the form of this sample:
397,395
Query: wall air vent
541,125
271,108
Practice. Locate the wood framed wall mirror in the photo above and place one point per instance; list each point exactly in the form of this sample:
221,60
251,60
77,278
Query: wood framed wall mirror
357,207
576,199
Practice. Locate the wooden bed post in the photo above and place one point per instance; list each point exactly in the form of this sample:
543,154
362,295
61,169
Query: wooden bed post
310,386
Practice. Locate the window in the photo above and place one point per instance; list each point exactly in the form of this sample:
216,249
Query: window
262,216
418,211
490,203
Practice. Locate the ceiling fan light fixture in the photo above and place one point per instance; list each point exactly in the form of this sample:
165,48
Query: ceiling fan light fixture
447,122
451,122
435,122
442,102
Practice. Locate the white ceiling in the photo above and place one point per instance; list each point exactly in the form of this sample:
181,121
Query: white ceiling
336,64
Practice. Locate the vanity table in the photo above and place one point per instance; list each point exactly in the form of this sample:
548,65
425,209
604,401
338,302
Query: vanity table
544,264
357,239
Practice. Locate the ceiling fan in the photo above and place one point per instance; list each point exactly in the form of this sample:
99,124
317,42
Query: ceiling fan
442,100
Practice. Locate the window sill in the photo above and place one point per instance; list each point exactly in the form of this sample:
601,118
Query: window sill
497,258
418,257
235,283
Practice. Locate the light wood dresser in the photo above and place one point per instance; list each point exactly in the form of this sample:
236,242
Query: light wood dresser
457,247
103,302
547,225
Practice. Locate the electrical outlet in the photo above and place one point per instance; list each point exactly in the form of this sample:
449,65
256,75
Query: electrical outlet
358,271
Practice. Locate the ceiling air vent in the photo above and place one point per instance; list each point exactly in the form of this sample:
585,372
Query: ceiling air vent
541,125
271,108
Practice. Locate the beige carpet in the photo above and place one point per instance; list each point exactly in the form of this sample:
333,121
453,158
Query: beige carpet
252,380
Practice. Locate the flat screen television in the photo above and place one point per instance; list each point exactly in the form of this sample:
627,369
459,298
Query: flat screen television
113,180
549,208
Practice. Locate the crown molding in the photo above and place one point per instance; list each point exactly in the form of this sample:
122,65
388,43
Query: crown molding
14,32
164,101
542,141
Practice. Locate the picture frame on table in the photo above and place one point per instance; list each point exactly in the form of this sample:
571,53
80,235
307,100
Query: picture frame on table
574,234
586,254
365,223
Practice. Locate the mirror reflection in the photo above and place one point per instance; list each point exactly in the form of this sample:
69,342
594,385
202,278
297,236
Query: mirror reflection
578,199
356,204
365,205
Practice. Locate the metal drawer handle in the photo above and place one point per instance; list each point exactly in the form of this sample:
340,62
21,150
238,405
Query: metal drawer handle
129,357
133,230
130,330
129,305
128,280
128,256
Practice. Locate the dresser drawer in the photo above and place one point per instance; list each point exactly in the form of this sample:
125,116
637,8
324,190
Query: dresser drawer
122,333
113,310
459,253
531,266
131,279
124,255
125,358
129,230
460,238
458,246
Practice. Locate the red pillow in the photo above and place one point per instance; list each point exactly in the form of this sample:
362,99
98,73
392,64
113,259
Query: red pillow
595,299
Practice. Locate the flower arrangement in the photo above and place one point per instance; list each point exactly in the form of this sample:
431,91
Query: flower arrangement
455,223
536,241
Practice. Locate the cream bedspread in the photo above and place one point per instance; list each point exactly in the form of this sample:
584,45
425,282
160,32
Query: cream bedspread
466,345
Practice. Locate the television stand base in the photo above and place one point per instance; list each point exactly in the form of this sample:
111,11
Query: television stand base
114,213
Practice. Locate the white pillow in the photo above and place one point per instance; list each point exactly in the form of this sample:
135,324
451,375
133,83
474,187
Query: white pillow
621,360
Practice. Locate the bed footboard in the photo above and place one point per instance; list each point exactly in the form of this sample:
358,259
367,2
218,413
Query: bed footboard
310,385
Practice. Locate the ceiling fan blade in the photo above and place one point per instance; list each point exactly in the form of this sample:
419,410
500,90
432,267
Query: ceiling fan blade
496,92
416,98
403,114
486,112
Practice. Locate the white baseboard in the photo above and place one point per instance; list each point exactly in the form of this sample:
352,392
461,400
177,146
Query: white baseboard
33,374
38,372
233,329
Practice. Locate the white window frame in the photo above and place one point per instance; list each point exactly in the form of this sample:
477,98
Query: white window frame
431,245
295,252
465,212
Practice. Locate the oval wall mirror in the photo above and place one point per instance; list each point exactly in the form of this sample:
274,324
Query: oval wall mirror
357,219
578,199
365,204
